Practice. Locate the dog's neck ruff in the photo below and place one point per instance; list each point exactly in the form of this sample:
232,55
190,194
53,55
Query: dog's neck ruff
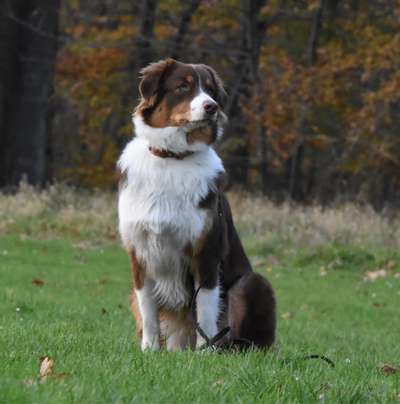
171,138
164,154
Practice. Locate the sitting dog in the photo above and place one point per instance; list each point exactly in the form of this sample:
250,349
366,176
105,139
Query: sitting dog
175,221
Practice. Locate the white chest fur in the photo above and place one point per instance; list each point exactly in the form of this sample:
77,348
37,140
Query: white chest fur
159,214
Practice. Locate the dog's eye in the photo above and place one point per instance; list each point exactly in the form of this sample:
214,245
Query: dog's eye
211,91
183,88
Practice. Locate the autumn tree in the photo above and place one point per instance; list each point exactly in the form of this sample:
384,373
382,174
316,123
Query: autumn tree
313,88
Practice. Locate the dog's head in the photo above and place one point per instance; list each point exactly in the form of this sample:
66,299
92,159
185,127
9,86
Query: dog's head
182,100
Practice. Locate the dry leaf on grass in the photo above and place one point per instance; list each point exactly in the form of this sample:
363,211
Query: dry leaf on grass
388,369
37,282
287,316
374,275
46,368
397,275
323,271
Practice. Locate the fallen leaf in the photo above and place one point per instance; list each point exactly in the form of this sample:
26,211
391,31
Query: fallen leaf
46,371
397,275
374,275
378,305
37,282
387,369
218,383
323,271
46,368
287,316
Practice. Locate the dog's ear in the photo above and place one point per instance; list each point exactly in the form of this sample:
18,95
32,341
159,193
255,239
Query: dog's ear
222,96
151,77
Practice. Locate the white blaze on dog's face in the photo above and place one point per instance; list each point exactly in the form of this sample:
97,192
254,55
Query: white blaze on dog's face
181,105
203,107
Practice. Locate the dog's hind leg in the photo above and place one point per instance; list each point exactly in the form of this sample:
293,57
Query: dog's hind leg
251,310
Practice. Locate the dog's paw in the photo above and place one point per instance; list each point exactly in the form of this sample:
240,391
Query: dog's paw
208,349
150,344
200,342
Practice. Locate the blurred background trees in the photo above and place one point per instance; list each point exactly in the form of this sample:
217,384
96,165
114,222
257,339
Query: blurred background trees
28,47
314,89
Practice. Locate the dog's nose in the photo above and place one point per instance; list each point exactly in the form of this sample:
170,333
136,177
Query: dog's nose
210,107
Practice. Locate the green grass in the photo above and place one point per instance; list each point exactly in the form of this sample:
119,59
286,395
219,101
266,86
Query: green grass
80,317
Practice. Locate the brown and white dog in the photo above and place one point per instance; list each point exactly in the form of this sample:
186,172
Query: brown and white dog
176,223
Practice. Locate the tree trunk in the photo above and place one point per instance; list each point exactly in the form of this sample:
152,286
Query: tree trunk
144,44
8,80
296,186
143,51
189,8
247,68
26,125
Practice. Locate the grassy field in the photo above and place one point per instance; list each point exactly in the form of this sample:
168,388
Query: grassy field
64,284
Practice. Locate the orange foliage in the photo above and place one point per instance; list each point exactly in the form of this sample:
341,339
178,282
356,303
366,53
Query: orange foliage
344,109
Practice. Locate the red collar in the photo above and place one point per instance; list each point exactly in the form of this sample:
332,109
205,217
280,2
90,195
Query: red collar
169,154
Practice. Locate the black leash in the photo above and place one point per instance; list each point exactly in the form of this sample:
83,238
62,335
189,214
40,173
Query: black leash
235,344
210,342
322,357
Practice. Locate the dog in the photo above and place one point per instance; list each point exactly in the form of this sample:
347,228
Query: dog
176,224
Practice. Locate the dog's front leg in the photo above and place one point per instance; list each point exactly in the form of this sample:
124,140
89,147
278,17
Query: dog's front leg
207,304
149,313
206,259
148,310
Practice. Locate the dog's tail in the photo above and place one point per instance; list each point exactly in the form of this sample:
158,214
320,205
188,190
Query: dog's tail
252,311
